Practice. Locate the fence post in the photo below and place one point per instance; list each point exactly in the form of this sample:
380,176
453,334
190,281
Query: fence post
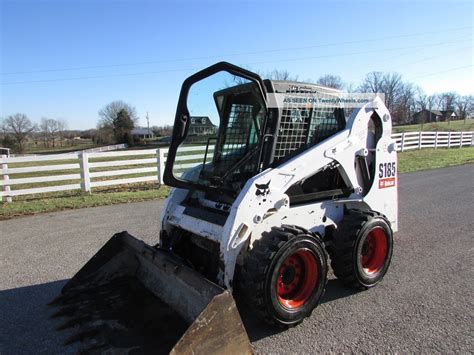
420,137
85,174
6,178
460,140
403,141
472,139
160,156
449,139
436,140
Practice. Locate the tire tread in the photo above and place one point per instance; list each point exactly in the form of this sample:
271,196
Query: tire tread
343,244
258,261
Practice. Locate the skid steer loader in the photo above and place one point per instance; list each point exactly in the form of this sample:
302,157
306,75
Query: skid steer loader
279,183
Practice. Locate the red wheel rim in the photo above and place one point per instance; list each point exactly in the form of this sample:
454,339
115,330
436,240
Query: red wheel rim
297,279
374,251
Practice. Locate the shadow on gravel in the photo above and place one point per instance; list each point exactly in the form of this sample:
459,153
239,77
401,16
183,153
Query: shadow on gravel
26,327
25,324
335,290
257,329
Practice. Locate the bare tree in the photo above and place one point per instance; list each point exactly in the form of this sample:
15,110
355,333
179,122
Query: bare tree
465,104
62,127
421,99
331,81
425,102
391,85
350,87
433,101
44,131
404,104
373,83
110,112
280,75
421,105
20,127
50,130
275,74
447,101
236,80
393,88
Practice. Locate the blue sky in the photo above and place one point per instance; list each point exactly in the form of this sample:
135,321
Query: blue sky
67,59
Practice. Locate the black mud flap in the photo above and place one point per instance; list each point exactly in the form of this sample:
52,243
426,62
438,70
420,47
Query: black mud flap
133,298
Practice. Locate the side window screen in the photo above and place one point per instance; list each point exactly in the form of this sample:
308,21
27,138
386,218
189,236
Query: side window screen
323,125
236,149
239,127
304,127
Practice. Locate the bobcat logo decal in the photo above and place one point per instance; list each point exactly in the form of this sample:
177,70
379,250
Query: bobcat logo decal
262,190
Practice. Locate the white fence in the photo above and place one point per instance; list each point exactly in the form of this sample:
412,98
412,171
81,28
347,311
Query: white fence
107,148
88,170
418,140
84,171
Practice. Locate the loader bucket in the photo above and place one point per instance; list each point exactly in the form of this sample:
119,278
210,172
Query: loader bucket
133,298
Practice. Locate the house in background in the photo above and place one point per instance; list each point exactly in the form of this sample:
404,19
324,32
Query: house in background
142,133
427,116
201,125
450,115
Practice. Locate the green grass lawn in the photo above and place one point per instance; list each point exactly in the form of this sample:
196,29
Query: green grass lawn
67,200
49,202
438,126
60,147
426,159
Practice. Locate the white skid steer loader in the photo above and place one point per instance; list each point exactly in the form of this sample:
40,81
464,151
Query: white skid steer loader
278,184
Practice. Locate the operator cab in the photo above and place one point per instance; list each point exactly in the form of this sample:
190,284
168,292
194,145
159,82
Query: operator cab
249,131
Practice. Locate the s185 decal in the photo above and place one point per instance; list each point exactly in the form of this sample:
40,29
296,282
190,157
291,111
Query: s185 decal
387,170
387,174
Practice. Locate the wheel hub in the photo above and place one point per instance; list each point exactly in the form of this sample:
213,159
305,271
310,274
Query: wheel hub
374,251
297,279
288,275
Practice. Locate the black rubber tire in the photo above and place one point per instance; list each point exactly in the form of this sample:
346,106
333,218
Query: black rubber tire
259,274
345,249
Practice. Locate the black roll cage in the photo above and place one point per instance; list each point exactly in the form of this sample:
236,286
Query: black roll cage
182,123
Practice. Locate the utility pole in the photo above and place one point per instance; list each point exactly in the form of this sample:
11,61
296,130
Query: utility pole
148,124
